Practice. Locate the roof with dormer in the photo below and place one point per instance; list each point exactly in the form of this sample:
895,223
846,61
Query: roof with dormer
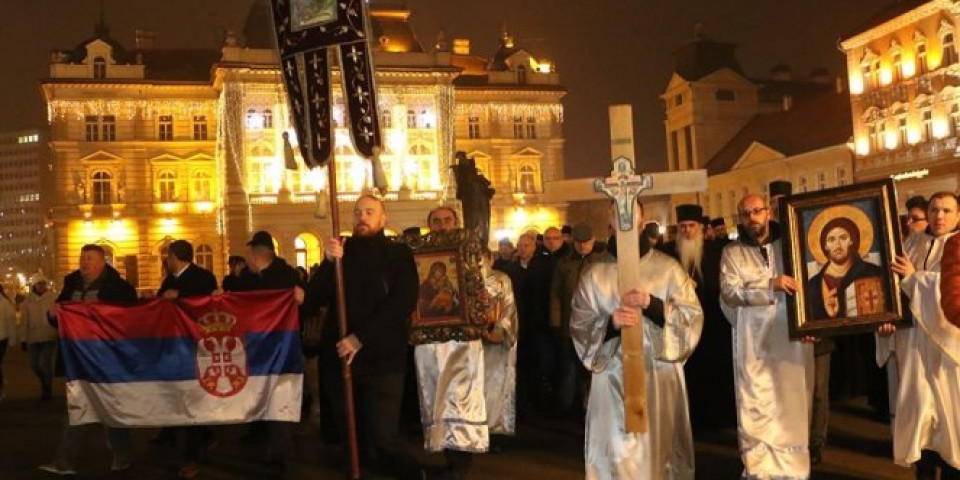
701,57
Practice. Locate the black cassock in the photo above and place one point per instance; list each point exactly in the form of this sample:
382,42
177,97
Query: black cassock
709,371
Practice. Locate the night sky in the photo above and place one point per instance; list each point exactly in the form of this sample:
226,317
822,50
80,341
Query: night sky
606,51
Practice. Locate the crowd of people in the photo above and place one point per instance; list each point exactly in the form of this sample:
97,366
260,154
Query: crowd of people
717,350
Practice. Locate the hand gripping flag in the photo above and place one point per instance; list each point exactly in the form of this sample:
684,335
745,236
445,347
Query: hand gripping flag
307,31
196,361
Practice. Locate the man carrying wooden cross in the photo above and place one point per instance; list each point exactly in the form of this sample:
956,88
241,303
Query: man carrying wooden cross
662,302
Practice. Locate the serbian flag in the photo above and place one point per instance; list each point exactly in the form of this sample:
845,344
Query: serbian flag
229,358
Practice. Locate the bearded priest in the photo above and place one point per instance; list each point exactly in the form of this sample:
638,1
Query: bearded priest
672,319
709,371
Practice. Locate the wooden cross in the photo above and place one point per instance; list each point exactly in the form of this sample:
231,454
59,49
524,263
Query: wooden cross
623,187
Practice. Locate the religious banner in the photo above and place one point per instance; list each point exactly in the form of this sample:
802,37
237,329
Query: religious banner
839,246
308,33
220,359
452,302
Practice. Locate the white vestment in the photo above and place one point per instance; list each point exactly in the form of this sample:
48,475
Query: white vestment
665,452
500,359
928,363
773,376
452,406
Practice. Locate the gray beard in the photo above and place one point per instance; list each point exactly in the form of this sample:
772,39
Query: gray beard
690,252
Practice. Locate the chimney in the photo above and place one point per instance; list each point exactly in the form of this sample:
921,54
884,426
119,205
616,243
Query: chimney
787,103
143,39
461,46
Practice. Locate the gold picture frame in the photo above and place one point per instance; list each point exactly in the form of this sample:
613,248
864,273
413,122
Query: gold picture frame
451,300
838,245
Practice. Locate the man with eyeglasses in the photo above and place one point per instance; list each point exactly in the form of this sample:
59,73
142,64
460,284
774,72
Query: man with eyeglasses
927,421
773,376
916,215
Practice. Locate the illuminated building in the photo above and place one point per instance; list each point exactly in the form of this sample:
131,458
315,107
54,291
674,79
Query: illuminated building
747,132
903,77
152,145
23,238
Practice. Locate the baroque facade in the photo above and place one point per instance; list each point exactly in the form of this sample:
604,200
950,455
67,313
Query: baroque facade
151,145
904,77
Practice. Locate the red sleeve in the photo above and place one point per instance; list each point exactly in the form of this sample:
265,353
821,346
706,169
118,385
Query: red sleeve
950,280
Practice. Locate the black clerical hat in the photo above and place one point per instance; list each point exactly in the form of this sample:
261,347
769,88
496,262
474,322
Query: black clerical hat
718,222
689,213
780,188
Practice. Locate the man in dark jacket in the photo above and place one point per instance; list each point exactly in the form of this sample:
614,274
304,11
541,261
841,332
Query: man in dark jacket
267,271
95,280
566,278
233,281
380,285
186,279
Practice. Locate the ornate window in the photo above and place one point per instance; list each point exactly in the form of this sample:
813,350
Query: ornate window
532,127
99,68
517,127
200,185
167,186
386,118
268,118
920,52
841,176
252,119
102,187
411,119
902,131
927,116
527,179
897,60
203,257
821,180
948,46
165,128
200,129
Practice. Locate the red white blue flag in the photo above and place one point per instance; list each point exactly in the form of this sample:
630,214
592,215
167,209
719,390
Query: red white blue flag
222,359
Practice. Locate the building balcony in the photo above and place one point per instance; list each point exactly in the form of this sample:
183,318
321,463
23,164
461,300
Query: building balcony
911,156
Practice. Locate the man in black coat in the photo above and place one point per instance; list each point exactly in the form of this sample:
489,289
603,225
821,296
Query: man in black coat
709,371
186,279
380,284
95,280
267,271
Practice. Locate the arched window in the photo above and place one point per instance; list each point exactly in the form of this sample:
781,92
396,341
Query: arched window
99,68
203,256
201,186
527,179
167,186
300,248
268,118
102,187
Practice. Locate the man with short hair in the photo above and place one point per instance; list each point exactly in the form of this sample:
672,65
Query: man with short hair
773,375
451,380
666,303
505,253
95,280
380,286
927,422
566,277
233,281
267,271
185,279
916,215
38,337
709,371
442,218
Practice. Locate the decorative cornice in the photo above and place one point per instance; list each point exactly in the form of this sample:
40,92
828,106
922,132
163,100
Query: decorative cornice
895,24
